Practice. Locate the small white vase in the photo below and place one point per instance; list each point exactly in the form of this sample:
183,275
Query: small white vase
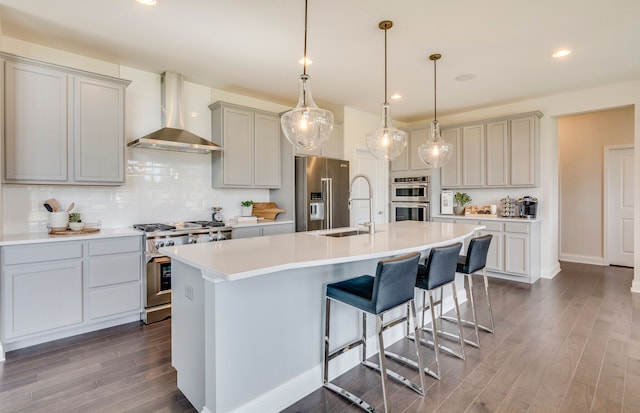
247,211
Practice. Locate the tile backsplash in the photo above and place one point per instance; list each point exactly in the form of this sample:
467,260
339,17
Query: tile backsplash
160,186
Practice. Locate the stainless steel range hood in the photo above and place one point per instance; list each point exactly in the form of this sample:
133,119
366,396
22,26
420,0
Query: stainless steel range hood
173,137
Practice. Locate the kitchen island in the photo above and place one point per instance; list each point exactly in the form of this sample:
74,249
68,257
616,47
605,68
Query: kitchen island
248,313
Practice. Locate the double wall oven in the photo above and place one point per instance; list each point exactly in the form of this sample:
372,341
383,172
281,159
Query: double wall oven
410,199
158,268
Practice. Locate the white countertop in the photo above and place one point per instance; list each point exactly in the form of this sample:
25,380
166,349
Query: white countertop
249,257
38,237
476,218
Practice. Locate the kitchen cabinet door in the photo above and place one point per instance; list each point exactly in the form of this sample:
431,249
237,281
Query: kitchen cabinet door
238,143
516,252
41,297
497,154
36,119
451,172
417,138
98,131
524,171
267,151
473,155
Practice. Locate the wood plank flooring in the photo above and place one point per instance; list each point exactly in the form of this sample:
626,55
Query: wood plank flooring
571,344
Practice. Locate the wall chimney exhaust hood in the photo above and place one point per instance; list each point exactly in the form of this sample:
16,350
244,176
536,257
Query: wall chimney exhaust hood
173,137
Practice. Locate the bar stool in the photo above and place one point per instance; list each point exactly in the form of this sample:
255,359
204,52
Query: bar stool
475,260
439,271
392,286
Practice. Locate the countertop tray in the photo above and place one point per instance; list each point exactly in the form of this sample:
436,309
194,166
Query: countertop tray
71,232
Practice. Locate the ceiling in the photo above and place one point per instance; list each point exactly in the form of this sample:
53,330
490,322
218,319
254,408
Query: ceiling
252,46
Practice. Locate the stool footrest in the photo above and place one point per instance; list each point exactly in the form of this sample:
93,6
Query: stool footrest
454,337
466,323
411,363
395,376
446,349
355,343
352,397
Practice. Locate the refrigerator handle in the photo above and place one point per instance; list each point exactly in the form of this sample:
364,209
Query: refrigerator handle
328,190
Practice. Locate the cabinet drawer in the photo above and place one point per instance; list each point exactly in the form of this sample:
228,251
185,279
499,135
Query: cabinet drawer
41,252
492,225
114,300
516,227
115,246
114,270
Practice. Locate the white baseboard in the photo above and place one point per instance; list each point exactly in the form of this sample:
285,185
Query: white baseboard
635,286
582,259
549,273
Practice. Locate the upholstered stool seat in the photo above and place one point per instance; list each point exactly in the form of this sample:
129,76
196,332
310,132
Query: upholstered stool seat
392,286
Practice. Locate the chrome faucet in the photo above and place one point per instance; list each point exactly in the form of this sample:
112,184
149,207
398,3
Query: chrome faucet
369,224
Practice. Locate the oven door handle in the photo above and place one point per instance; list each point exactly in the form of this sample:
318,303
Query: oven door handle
161,260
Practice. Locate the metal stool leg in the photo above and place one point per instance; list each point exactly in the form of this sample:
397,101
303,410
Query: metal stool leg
455,302
327,311
383,363
486,293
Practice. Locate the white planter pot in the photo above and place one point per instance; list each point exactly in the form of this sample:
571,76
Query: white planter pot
247,211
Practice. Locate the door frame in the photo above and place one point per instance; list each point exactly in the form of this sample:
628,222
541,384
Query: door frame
607,150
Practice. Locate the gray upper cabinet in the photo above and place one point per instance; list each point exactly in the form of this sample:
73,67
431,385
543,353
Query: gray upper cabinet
494,153
62,126
409,160
251,147
473,155
450,175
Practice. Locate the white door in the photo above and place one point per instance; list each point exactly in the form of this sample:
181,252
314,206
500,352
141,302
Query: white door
376,170
619,203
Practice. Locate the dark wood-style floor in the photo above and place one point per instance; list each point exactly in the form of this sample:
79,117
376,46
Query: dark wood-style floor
571,344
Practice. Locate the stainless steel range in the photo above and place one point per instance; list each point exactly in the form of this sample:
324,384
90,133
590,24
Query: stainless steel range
158,273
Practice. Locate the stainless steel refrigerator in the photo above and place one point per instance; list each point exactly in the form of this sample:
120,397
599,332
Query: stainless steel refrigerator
322,193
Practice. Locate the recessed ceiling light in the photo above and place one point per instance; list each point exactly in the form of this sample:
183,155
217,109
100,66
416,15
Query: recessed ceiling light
309,61
465,76
148,2
396,96
561,53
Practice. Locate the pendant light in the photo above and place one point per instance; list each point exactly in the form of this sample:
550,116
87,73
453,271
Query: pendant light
307,126
386,142
436,152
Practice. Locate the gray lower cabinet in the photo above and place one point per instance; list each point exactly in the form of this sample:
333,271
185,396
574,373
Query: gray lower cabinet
55,287
62,126
261,230
515,248
251,147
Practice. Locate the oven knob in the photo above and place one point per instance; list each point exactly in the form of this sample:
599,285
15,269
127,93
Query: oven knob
169,243
192,240
159,244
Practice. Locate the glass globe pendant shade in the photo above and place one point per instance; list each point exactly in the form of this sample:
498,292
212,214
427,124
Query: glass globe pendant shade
307,126
386,142
436,152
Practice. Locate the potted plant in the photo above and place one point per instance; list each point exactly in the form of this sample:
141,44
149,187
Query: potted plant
247,208
75,221
462,199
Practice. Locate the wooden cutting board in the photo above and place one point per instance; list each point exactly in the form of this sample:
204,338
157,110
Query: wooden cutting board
266,210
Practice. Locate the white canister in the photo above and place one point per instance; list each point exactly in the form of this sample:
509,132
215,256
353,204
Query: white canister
58,220
493,209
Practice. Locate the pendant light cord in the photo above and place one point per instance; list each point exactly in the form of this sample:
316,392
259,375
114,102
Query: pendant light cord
385,67
435,92
304,57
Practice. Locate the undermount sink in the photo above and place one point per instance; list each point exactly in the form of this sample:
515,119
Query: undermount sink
346,233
